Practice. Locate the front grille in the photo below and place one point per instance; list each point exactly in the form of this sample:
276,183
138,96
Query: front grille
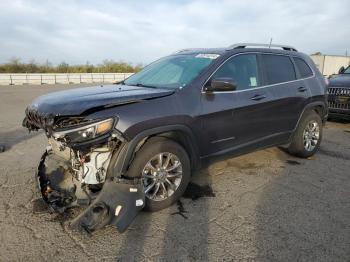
338,105
339,97
70,122
339,91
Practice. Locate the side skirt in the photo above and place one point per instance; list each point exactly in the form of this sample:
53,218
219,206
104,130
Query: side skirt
258,144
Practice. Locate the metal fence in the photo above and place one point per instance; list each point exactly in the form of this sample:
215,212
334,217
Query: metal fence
76,78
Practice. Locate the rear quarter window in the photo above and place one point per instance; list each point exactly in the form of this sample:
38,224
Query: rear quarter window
303,68
278,69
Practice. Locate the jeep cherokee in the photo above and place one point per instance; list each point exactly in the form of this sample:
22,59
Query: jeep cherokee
339,94
122,147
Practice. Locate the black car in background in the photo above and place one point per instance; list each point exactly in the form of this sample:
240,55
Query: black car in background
118,148
339,94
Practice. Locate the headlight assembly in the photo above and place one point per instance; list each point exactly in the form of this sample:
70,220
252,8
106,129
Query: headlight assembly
85,133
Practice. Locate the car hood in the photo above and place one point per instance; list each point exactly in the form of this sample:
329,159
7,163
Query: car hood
77,101
340,80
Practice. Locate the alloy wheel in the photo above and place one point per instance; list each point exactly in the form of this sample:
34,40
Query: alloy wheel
162,176
311,135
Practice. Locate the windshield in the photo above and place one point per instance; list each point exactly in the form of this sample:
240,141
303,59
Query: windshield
347,71
175,71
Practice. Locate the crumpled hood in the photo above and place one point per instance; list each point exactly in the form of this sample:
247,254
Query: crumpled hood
76,101
342,80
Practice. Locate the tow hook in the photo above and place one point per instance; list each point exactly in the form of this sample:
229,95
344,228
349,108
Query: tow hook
118,203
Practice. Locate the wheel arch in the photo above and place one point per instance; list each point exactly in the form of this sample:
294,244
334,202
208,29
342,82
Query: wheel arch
319,107
178,133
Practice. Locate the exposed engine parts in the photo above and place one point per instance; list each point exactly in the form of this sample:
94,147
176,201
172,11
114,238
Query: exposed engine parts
93,169
77,176
69,178
88,168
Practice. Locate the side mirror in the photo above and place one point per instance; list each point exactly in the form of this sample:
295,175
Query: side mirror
341,70
221,84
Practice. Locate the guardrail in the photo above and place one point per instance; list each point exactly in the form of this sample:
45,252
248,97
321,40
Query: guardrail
74,78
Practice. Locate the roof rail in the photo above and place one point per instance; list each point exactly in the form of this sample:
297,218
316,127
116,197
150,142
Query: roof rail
244,45
184,50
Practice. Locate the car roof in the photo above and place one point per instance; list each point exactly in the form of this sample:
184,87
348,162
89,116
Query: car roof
242,47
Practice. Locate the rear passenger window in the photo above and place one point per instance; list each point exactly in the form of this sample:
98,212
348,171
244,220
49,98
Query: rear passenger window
243,69
304,69
278,69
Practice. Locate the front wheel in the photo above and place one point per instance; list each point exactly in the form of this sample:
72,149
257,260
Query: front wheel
165,170
308,135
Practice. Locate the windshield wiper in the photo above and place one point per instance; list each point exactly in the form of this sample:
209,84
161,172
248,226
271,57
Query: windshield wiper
147,86
119,83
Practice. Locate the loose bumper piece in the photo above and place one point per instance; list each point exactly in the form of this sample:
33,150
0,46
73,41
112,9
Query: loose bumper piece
118,203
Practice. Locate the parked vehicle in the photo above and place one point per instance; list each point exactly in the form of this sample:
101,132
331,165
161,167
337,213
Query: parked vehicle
339,94
118,148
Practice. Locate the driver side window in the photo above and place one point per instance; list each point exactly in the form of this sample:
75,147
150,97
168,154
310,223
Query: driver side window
243,69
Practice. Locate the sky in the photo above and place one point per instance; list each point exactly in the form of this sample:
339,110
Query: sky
142,31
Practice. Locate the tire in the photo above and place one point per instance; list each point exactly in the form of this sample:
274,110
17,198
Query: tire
298,145
153,147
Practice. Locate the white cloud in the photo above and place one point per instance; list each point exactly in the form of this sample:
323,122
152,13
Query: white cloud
140,31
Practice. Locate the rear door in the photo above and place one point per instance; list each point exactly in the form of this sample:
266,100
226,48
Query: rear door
288,93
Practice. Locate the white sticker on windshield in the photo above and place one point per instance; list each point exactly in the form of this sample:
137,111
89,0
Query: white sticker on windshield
210,56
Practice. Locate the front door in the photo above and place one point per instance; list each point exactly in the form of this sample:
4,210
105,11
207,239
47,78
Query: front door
236,118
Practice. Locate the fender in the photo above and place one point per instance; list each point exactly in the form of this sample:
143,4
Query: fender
125,156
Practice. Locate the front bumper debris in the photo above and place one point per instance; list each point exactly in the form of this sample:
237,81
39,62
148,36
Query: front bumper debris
117,203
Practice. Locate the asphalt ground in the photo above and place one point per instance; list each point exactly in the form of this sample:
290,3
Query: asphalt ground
263,206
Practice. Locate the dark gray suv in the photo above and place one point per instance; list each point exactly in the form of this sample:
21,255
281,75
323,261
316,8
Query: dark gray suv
122,147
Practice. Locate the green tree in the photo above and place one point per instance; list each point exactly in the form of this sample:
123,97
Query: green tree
63,68
107,66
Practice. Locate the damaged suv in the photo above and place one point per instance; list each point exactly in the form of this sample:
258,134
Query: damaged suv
119,148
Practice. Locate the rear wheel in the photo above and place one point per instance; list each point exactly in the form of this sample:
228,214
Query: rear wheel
308,135
165,170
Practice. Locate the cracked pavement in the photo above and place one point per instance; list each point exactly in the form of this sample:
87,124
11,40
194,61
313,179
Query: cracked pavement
268,206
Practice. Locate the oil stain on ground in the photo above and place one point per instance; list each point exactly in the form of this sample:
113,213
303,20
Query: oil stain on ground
39,206
180,210
2,148
67,215
293,162
195,191
245,165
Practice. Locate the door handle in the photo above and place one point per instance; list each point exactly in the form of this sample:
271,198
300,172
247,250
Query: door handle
258,97
302,89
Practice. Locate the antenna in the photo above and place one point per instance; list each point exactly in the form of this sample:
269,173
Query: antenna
270,42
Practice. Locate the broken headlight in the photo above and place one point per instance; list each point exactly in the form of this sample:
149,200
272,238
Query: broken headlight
85,133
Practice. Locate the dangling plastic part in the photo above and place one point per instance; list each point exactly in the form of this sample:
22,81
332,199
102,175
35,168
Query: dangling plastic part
118,203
